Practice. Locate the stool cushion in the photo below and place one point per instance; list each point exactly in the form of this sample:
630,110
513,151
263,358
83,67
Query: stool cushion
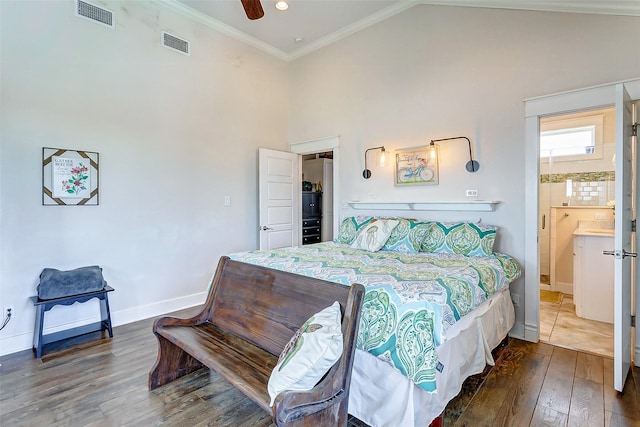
57,284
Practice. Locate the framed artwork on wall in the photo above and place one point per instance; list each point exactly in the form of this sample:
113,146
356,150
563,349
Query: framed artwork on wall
416,166
69,177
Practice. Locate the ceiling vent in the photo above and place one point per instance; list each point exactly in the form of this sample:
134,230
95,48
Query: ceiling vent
95,13
176,43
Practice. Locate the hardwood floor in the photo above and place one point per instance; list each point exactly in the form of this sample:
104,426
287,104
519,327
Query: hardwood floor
94,381
543,385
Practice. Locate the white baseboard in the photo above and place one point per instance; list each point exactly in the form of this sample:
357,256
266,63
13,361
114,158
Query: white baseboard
531,333
130,315
545,286
565,288
517,331
24,341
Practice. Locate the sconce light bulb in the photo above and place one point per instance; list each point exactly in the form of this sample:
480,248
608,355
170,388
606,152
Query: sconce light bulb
432,151
383,157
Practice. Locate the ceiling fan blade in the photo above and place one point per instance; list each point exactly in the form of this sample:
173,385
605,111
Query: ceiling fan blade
253,9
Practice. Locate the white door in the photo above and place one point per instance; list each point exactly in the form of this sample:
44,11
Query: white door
623,237
279,198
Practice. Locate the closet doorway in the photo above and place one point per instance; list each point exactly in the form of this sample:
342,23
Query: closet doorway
317,197
576,203
322,148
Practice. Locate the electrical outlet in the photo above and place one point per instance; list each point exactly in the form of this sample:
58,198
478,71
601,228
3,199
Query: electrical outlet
8,310
515,298
472,193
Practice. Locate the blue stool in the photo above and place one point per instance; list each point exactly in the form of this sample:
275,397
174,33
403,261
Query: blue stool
43,306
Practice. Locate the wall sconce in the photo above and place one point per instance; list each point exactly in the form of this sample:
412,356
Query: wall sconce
366,173
472,165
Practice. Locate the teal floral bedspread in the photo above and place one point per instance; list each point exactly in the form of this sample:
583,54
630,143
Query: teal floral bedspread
410,300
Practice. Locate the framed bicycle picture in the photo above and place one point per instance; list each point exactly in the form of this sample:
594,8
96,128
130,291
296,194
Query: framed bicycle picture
416,166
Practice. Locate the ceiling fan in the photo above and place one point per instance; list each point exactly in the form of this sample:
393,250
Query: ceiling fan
253,9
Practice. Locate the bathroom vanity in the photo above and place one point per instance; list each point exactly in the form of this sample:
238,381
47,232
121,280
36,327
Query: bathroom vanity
593,273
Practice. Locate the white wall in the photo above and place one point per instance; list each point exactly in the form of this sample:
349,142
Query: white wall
175,135
436,72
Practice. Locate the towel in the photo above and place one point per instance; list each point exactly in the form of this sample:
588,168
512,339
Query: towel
57,284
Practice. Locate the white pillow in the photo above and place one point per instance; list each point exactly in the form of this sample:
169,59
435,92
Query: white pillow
374,235
310,353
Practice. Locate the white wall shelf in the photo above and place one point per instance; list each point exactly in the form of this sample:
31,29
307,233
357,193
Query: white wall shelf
471,205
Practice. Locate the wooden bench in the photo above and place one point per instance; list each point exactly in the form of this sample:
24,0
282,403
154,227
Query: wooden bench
250,314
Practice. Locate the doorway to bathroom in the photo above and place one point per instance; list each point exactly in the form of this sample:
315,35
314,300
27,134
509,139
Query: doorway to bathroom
576,210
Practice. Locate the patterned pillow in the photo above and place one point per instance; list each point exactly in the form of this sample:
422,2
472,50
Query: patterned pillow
407,237
350,227
374,235
462,238
310,353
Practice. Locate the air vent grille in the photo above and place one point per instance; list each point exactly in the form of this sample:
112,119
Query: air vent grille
173,42
95,13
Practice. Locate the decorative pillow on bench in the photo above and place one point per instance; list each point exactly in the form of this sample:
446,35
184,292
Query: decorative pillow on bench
310,353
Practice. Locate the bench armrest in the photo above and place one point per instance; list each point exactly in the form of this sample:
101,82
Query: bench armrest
175,321
204,314
322,402
286,413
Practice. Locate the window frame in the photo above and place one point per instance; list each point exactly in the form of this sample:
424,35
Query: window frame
596,121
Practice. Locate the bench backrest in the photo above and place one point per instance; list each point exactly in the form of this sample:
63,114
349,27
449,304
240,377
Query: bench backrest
266,306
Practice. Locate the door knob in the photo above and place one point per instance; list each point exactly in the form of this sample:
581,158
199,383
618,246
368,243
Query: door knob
265,228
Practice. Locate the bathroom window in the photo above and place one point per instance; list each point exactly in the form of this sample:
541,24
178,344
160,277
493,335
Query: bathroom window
571,139
568,142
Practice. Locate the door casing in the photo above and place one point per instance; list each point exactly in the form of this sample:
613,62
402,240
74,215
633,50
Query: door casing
562,103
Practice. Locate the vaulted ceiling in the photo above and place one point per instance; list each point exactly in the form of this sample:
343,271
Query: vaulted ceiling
308,25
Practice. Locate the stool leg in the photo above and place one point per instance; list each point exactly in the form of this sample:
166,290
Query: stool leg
37,331
106,314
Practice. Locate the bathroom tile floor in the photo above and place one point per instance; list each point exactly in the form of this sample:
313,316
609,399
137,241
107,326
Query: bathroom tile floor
560,326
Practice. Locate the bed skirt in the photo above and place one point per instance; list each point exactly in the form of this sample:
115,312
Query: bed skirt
466,352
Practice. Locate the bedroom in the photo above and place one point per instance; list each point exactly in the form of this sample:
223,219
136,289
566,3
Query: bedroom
176,134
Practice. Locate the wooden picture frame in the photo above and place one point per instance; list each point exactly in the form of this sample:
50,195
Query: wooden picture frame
69,177
416,166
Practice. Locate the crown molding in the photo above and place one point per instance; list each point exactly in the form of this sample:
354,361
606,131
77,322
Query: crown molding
210,22
223,28
619,7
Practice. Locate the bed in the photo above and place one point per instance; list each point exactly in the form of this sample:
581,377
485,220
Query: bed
437,303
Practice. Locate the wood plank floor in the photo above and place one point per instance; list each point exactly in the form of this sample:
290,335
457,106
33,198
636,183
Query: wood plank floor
97,381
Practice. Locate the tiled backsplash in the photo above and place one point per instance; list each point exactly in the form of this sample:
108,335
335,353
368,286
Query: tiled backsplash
578,177
588,188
